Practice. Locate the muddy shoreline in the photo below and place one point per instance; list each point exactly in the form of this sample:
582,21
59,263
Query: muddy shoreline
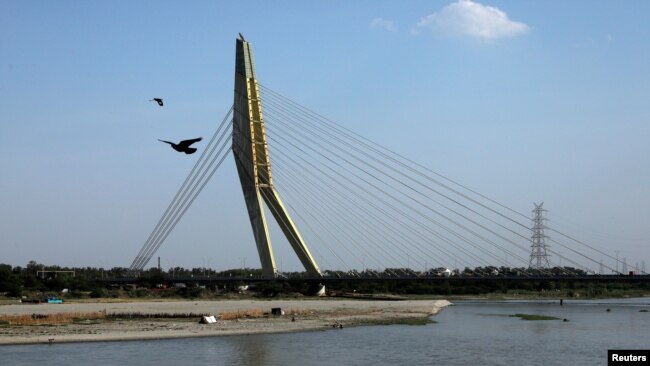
310,315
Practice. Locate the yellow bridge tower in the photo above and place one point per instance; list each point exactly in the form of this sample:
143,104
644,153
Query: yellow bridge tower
254,167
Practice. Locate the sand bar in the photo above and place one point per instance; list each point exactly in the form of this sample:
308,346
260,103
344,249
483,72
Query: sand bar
317,314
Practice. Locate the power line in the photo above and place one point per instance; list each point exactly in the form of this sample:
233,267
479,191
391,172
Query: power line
185,195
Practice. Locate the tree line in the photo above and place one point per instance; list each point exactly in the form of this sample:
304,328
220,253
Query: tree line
36,279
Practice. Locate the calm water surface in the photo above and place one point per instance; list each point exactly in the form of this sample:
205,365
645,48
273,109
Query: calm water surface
470,333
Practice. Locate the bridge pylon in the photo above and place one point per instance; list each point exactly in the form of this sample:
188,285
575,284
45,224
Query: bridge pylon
251,154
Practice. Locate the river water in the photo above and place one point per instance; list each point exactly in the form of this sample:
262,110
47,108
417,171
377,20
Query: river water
469,333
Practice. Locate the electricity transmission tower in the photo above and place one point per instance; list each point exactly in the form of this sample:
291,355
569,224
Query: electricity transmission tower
538,255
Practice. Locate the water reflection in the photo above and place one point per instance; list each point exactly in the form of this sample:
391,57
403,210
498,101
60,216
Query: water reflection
247,350
469,333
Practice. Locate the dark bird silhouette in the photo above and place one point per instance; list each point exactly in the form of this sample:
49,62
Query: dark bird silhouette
157,100
184,146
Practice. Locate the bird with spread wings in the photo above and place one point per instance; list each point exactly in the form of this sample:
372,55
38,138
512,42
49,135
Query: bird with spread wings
184,146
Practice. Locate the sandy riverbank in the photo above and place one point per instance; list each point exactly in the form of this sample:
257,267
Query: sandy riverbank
317,314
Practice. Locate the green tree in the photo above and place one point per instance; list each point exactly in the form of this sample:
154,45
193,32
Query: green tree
10,282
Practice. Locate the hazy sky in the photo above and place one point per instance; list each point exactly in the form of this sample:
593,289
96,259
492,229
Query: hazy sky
521,100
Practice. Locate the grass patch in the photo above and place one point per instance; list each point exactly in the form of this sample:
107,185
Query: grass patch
259,313
50,319
242,314
86,321
534,317
227,315
136,315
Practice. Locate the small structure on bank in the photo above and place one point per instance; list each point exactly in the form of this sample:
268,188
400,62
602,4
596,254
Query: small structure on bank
208,319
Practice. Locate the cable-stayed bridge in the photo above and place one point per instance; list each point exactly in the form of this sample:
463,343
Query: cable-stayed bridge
360,208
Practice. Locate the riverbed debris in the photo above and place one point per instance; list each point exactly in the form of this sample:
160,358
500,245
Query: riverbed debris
208,319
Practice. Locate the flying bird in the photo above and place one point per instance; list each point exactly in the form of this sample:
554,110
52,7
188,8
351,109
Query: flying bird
157,100
184,146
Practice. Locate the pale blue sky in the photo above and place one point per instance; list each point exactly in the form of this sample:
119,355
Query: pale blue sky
550,103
